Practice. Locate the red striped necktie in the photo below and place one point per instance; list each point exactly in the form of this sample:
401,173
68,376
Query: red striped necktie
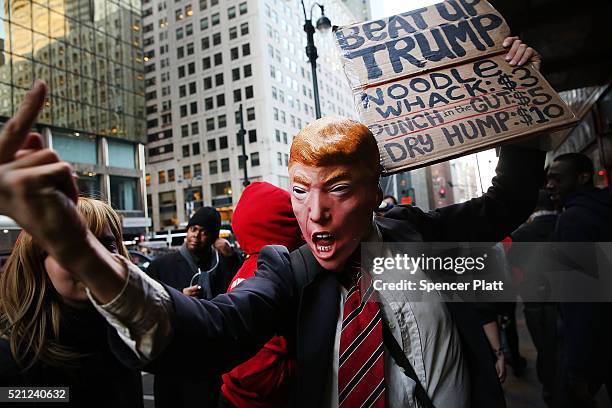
361,374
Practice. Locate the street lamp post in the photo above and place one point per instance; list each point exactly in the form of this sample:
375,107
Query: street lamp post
323,24
243,158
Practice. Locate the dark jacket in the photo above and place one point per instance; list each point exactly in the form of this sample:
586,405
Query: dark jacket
98,379
587,217
232,327
172,390
173,270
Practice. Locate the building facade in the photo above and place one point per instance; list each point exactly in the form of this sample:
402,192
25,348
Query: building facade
89,54
203,60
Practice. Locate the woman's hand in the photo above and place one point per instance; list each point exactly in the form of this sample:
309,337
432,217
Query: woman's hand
37,189
519,53
39,192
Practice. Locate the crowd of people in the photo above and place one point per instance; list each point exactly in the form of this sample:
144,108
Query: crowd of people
289,317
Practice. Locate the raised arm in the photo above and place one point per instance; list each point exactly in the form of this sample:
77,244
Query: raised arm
211,337
38,191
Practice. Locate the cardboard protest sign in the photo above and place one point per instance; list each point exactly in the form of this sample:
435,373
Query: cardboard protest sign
432,84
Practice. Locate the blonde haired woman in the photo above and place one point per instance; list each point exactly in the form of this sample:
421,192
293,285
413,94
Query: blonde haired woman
50,334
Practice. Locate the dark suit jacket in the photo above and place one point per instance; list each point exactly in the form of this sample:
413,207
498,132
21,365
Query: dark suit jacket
232,327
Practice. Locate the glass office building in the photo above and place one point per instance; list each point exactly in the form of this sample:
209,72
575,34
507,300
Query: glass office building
89,52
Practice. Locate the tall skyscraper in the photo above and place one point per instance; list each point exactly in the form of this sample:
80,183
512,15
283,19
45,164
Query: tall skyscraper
206,58
90,55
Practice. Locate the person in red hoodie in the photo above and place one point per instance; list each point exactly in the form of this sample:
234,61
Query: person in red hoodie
263,216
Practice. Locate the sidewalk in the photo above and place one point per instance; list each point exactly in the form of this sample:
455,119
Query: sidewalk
525,392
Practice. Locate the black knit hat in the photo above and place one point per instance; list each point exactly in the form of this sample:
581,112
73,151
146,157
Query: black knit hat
209,219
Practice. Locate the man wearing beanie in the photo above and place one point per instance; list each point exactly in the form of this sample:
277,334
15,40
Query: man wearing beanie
203,267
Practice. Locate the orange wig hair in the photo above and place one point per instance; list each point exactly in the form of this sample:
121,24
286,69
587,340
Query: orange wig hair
333,141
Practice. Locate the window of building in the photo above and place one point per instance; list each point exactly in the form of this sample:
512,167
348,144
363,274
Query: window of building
206,63
124,193
195,148
188,29
222,121
186,172
219,79
233,33
252,136
188,10
184,130
212,167
274,93
236,74
237,95
225,165
231,12
247,71
207,82
208,103
191,68
285,137
223,142
180,52
186,150
255,159
277,134
161,176
183,111
178,14
193,107
234,53
205,43
248,92
243,8
203,4
195,128
197,169
190,49
179,33
204,23
216,38
275,113
210,124
211,145
171,177
218,59
279,158
192,88
286,159
246,49
220,100
181,71
215,19
244,28
250,114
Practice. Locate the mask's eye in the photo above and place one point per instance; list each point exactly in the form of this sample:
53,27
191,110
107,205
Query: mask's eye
340,188
299,192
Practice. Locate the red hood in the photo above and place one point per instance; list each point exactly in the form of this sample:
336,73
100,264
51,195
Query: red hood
263,216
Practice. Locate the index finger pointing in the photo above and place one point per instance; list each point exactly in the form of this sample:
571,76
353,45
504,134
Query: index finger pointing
16,130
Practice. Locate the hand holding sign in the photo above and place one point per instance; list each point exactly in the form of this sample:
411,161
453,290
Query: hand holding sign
519,53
